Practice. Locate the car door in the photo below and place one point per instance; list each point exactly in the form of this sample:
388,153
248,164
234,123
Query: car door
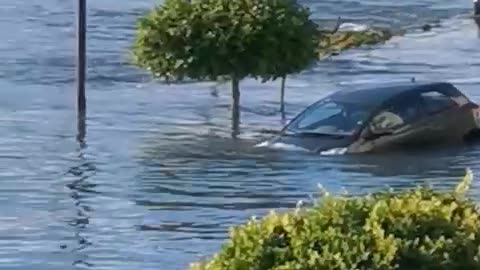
399,123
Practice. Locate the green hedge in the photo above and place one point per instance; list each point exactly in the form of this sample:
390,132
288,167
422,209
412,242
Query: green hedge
414,229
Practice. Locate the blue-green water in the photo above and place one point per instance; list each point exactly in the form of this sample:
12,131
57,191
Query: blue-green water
159,181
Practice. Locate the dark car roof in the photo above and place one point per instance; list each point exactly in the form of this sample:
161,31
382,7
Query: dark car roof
374,96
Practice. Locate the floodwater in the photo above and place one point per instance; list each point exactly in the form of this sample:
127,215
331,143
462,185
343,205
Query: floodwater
158,181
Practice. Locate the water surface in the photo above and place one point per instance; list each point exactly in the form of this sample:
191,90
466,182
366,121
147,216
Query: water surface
159,181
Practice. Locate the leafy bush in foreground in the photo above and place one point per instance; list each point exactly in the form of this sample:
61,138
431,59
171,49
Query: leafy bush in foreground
416,229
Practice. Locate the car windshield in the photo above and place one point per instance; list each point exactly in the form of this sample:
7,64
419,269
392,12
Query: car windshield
330,117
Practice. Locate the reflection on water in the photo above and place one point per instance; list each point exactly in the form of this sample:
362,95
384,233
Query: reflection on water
81,188
157,180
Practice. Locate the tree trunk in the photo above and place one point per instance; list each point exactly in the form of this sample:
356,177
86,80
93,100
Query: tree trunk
282,96
235,106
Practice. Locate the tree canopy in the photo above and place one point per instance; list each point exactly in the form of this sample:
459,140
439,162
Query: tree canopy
208,39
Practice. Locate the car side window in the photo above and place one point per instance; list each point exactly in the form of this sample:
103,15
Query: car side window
400,112
435,101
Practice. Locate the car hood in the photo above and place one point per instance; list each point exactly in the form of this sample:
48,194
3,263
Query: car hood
314,142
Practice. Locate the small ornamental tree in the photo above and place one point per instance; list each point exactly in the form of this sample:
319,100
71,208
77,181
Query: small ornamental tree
233,39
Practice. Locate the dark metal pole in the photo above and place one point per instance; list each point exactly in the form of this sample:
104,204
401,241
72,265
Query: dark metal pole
81,56
81,69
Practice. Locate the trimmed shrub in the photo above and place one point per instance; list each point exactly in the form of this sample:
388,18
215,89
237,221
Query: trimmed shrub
414,229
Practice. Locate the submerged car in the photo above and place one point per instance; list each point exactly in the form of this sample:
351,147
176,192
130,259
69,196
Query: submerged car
384,118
